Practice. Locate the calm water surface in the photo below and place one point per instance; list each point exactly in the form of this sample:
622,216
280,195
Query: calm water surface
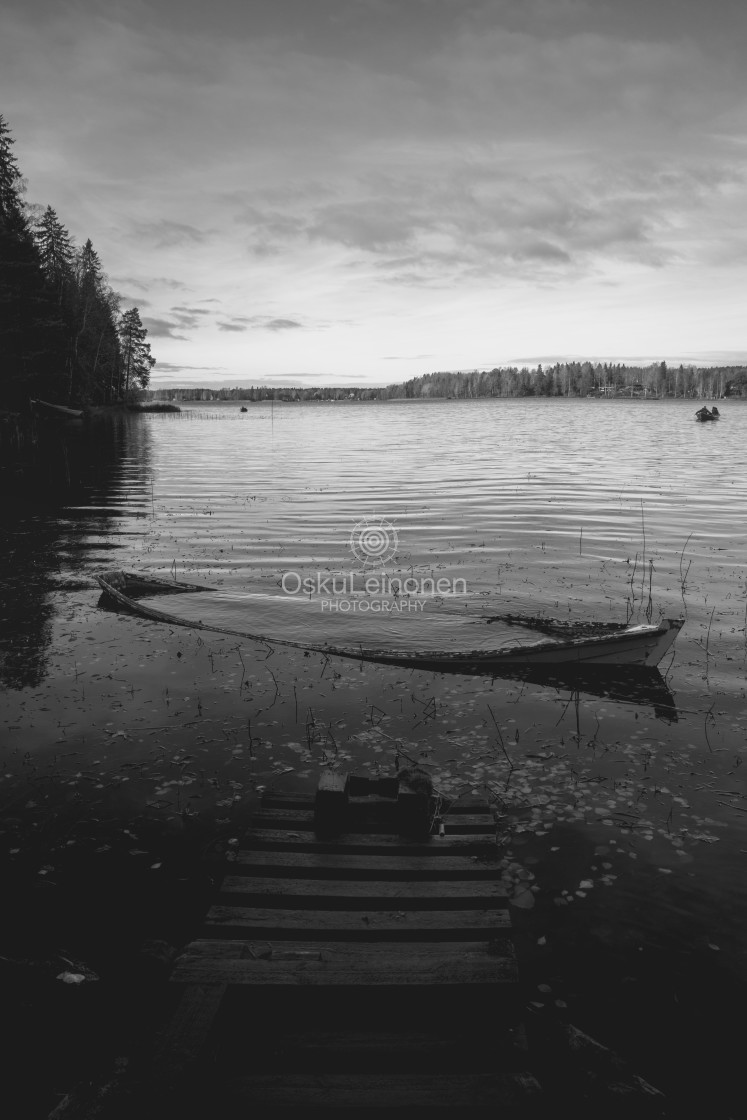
550,505
626,804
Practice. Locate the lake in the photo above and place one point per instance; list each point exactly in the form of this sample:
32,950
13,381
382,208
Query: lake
624,808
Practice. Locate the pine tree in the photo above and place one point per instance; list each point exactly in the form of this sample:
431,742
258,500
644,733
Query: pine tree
90,272
136,358
11,184
55,250
56,255
96,357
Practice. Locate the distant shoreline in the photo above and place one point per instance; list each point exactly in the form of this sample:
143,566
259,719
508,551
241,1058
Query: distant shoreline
563,380
616,398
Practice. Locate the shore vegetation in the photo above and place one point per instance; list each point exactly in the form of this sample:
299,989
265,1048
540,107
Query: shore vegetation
564,379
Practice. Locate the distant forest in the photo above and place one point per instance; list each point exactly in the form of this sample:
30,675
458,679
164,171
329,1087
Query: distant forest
63,335
569,379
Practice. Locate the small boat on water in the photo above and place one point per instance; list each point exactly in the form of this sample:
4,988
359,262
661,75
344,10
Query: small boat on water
589,646
704,414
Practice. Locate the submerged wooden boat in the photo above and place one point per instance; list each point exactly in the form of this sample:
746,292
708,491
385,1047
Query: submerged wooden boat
643,645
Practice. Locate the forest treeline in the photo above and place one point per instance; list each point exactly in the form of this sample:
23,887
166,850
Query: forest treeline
579,379
63,335
567,379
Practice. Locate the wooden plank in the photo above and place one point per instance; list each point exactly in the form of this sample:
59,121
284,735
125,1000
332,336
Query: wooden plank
394,925
372,892
306,801
357,843
388,1090
187,1034
413,813
331,781
211,949
360,785
457,823
317,1047
377,1044
306,969
335,864
462,1045
96,1098
330,804
304,820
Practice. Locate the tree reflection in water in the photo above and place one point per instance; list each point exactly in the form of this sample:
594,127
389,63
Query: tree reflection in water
58,508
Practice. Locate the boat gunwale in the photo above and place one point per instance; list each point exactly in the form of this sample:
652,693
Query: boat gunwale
516,654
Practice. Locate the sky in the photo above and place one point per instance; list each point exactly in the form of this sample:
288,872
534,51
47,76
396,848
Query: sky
307,192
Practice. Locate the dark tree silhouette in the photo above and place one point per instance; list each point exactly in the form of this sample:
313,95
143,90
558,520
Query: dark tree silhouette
62,337
96,348
137,361
31,329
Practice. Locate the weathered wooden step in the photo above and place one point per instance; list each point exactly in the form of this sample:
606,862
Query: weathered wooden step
407,972
391,925
245,890
306,801
445,1047
449,1048
362,965
207,948
366,843
495,1091
332,863
304,821
185,1039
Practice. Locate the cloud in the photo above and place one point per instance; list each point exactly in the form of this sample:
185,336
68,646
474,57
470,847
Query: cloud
147,285
404,357
162,328
542,251
165,234
370,224
570,222
130,282
168,282
134,301
189,316
259,322
177,367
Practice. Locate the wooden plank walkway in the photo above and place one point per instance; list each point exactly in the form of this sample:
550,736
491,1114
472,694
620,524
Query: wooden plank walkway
358,956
